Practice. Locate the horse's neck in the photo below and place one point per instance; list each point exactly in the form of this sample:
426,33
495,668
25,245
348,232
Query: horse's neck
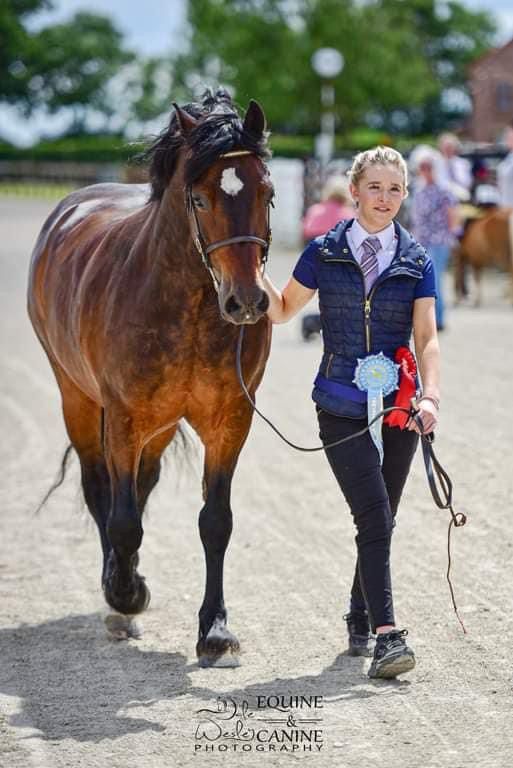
173,254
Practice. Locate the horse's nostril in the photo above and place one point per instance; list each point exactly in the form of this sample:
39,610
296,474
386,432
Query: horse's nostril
246,310
263,304
232,306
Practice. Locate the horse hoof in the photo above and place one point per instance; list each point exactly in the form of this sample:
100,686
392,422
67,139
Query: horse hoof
227,660
129,602
219,648
122,627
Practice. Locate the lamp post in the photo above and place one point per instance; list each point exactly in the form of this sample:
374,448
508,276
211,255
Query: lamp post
327,63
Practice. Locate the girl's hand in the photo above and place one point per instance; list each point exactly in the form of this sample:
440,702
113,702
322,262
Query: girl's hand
287,303
429,415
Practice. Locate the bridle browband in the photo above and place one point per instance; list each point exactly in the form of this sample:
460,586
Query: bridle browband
205,250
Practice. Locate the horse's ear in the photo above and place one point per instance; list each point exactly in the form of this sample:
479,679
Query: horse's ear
185,121
254,119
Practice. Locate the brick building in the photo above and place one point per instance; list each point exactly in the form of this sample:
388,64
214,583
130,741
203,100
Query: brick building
491,89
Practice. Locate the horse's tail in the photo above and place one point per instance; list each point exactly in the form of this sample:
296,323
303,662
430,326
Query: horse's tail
59,479
183,450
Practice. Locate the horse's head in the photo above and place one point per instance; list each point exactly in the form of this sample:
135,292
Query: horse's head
227,193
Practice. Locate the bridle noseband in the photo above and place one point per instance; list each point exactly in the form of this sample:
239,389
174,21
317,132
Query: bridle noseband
205,250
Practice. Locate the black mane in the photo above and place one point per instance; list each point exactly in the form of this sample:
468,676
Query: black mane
220,129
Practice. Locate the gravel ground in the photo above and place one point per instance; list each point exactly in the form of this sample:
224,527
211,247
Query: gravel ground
70,698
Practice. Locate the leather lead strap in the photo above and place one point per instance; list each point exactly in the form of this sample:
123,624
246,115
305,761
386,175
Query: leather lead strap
443,500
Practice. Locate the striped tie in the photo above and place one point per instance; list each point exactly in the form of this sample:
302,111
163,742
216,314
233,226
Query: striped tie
369,263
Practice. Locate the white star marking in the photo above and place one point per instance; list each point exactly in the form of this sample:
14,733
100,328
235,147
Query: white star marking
230,182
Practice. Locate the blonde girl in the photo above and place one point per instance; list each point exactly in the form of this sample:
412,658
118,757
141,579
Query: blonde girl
375,288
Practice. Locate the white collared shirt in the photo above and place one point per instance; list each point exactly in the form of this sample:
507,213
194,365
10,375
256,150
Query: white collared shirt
455,175
387,237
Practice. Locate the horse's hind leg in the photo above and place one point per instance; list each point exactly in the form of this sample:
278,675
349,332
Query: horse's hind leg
120,625
83,419
217,646
459,275
133,472
149,466
478,287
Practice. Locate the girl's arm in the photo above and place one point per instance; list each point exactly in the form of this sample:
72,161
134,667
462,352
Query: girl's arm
428,356
287,303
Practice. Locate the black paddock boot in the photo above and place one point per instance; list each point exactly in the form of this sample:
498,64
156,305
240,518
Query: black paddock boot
359,635
392,656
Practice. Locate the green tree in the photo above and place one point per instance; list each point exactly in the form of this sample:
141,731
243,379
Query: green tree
400,56
151,83
250,45
63,65
14,45
70,64
447,37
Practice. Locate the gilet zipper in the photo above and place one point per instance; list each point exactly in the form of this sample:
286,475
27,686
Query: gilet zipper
366,314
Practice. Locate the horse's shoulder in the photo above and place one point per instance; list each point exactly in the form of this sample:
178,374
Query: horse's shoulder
95,210
118,198
113,194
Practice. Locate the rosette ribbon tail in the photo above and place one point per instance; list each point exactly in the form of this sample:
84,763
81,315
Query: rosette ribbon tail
374,406
378,376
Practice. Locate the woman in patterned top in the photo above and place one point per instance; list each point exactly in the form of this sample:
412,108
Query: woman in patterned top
435,219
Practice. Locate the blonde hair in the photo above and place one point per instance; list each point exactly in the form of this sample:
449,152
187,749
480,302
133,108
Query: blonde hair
449,138
377,156
336,188
424,154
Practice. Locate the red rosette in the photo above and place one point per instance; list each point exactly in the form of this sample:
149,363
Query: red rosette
407,387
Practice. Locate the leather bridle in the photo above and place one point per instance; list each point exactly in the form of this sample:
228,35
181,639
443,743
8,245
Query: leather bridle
205,250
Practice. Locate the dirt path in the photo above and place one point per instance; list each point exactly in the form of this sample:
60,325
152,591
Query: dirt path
70,698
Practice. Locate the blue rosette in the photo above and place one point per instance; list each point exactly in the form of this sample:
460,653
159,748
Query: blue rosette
378,376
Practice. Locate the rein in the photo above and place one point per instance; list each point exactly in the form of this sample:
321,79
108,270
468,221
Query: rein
439,481
205,250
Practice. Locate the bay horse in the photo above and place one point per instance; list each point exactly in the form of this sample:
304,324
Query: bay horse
136,293
487,240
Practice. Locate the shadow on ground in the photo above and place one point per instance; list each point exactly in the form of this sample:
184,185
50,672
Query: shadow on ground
73,683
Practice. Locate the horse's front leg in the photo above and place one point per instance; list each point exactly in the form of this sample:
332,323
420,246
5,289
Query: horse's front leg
124,588
217,646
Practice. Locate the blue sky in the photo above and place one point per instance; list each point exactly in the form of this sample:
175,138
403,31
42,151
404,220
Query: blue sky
156,27
150,26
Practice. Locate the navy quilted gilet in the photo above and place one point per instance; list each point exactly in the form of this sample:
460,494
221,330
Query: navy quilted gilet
354,326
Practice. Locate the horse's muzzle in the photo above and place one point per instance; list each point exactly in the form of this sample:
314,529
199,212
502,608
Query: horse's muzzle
245,311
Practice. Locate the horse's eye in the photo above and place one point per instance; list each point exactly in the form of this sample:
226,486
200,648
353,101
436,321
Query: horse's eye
198,202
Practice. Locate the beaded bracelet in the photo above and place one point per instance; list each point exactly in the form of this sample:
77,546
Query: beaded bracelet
434,400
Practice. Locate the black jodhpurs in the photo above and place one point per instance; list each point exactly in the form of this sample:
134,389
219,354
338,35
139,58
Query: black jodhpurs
373,493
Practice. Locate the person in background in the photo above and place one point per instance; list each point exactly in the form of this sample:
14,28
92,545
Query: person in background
505,170
484,193
334,207
452,172
434,219
319,218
